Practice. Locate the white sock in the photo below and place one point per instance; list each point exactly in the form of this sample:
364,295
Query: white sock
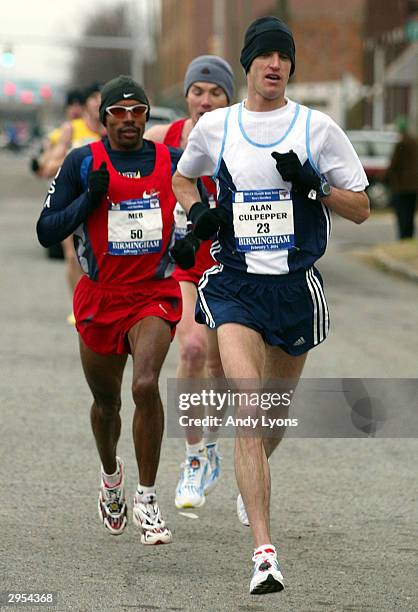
146,494
195,449
111,480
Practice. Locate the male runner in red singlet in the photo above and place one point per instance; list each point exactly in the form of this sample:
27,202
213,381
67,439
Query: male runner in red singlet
115,196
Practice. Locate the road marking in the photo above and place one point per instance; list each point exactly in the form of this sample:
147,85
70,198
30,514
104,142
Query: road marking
189,515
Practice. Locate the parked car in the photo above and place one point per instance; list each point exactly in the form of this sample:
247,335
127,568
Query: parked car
375,149
162,114
158,114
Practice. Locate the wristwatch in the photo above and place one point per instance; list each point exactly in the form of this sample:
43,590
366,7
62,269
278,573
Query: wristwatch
324,189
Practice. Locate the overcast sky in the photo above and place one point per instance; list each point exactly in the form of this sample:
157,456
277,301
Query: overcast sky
19,19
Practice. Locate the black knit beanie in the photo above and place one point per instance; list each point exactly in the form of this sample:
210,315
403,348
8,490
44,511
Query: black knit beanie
120,88
264,35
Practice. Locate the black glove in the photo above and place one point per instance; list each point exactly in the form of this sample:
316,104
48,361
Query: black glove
197,209
98,184
206,220
289,167
184,251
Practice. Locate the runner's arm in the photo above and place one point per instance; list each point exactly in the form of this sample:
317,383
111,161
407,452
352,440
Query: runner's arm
337,160
67,204
352,205
54,156
186,191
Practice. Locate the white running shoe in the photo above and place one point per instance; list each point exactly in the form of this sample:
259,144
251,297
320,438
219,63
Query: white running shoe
215,467
190,491
241,511
147,517
112,505
267,577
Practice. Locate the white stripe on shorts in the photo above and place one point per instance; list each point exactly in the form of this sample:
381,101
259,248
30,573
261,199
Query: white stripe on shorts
315,308
320,314
215,248
325,322
202,283
320,317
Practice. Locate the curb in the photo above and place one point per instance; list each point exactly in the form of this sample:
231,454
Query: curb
388,263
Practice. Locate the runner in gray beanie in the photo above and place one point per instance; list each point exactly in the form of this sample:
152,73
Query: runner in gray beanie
210,69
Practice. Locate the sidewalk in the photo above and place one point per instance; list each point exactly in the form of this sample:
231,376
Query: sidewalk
399,257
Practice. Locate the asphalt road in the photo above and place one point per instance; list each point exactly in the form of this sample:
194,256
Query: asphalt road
344,511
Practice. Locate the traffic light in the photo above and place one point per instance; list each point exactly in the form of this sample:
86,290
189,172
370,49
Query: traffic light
7,57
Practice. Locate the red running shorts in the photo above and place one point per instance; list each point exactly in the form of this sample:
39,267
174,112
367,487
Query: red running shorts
104,314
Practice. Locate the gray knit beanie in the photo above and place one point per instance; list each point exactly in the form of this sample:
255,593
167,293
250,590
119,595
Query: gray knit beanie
210,69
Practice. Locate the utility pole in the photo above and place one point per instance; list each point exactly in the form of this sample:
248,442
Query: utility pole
378,86
137,37
218,20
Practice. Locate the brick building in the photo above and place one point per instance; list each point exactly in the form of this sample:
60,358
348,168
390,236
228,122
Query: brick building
343,51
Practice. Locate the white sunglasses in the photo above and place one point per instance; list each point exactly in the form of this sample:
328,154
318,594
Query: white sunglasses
120,112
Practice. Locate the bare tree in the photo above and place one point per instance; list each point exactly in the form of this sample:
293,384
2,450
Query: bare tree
91,65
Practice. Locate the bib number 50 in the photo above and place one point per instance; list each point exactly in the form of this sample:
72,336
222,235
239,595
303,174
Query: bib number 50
136,234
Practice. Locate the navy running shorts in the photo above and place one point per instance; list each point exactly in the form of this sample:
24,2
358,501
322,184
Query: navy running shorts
289,311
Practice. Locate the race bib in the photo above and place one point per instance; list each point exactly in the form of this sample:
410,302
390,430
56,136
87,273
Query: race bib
180,220
263,220
135,227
